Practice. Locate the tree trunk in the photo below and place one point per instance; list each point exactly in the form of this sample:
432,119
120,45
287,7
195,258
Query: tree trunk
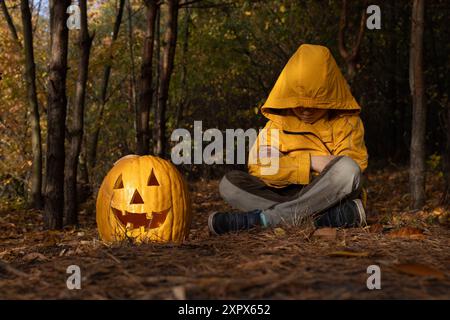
416,79
184,62
165,72
84,173
156,77
446,159
92,153
56,115
36,199
75,127
33,112
145,88
132,90
436,61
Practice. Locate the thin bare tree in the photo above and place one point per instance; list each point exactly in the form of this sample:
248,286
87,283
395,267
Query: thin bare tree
75,125
166,63
33,106
33,112
417,87
446,158
132,100
184,101
36,198
92,152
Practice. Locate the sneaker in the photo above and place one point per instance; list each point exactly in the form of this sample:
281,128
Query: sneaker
347,214
223,222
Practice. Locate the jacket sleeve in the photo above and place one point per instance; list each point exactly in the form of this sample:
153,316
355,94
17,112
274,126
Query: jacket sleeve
292,168
350,140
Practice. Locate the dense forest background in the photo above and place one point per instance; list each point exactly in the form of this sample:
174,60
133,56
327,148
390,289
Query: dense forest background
226,56
81,89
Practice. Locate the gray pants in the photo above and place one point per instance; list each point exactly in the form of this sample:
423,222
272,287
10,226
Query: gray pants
338,181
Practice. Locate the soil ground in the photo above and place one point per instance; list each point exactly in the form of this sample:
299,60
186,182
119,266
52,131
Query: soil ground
411,249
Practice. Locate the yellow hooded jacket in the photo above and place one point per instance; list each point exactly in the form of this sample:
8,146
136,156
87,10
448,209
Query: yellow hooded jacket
311,78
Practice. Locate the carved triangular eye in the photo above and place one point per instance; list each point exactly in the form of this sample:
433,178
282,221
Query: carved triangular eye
152,181
119,183
136,199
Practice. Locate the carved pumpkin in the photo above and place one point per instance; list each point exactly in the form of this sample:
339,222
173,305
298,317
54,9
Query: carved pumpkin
143,198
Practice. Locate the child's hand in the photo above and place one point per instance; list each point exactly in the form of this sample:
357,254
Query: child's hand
318,163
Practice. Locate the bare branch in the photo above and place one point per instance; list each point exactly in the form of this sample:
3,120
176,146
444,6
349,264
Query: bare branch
351,54
10,22
342,28
362,24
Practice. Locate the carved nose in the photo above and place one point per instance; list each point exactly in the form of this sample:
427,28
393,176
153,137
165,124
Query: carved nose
136,199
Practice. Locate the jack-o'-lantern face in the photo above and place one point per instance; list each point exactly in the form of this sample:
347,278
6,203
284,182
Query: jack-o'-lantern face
132,211
143,199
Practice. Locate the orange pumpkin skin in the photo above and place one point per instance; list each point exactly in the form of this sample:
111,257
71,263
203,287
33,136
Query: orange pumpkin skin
143,199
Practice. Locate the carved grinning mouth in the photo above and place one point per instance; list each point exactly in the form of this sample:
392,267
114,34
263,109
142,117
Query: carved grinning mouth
136,220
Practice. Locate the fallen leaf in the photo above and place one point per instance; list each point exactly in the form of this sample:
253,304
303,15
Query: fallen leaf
326,233
407,232
439,211
279,232
179,292
419,270
349,254
35,256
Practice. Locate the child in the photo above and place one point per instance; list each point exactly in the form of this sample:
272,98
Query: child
320,147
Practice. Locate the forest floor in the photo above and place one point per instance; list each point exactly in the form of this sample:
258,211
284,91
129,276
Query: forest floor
411,249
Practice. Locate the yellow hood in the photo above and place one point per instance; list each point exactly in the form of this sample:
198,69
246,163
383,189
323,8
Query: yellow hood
311,78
